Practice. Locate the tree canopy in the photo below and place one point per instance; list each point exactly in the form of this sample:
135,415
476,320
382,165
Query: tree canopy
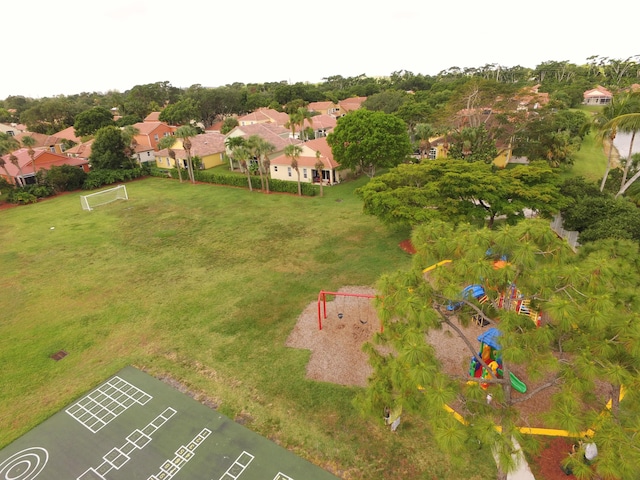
588,340
365,141
458,191
92,120
108,150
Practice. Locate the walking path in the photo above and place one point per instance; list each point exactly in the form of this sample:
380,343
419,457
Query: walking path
522,472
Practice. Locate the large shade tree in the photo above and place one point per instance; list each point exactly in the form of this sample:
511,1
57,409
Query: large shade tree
458,191
586,349
92,120
364,141
108,151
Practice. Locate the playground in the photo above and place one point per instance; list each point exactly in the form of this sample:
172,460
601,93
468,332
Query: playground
135,426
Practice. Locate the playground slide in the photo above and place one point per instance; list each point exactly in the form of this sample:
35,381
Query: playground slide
517,384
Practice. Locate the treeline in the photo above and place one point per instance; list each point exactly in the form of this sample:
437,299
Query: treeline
416,98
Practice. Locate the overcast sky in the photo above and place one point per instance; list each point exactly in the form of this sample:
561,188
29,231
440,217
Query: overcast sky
66,47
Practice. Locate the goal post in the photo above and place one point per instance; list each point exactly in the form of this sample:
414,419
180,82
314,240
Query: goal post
92,200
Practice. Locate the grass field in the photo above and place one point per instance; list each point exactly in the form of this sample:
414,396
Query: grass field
201,284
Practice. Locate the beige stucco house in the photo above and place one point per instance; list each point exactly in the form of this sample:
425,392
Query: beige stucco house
312,151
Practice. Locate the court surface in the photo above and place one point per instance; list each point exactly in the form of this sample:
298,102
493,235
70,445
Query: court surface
136,427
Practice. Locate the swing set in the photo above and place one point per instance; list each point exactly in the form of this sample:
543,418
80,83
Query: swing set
322,306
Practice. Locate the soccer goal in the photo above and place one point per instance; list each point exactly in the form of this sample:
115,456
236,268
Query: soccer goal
89,202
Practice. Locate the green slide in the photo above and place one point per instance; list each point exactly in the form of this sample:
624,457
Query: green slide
518,384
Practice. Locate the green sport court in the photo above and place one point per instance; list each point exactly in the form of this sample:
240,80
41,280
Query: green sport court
135,427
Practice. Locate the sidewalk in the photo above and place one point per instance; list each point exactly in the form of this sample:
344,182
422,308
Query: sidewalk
523,472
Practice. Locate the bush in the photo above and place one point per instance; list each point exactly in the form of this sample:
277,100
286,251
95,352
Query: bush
98,178
65,178
275,185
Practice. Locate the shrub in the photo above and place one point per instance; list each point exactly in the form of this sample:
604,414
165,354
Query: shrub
98,178
65,178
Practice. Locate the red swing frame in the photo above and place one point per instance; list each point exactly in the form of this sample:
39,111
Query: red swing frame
322,304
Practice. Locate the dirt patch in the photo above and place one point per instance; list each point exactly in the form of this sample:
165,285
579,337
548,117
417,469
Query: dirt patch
407,246
547,463
336,349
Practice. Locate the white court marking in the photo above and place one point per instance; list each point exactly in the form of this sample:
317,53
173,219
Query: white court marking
136,440
238,467
106,402
24,465
185,453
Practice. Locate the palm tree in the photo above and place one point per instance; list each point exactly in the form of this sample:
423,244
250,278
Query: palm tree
261,148
629,122
304,115
167,142
185,133
241,154
7,145
3,165
295,119
29,142
232,143
13,159
620,105
293,152
319,166
424,132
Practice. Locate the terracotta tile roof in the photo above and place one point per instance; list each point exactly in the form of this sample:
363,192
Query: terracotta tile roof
82,150
319,106
202,145
350,104
264,115
599,91
145,128
152,117
308,157
277,135
323,121
43,158
41,139
68,134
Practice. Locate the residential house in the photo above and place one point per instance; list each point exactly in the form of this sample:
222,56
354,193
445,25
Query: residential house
12,129
276,135
150,133
51,143
68,134
263,115
597,96
349,105
324,108
25,170
312,151
82,150
323,124
208,147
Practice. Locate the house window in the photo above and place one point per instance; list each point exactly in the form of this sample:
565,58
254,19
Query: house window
304,173
275,168
155,137
148,154
433,152
168,162
289,171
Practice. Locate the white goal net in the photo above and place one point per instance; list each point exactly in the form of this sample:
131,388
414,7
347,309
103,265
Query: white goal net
89,202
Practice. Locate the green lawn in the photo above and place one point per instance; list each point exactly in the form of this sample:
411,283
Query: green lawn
590,161
203,284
